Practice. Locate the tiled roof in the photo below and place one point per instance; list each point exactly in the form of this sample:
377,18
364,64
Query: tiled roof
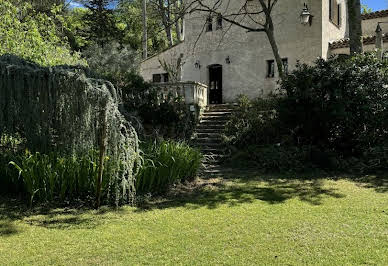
377,14
344,43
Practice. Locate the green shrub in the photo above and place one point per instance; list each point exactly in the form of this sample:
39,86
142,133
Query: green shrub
47,177
273,158
339,104
162,115
34,36
254,123
166,163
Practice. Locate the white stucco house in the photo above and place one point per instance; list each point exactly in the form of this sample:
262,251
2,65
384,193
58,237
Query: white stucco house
232,61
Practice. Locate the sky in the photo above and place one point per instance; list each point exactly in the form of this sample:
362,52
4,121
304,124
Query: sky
74,4
376,4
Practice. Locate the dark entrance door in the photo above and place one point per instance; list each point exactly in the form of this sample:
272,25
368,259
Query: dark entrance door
215,84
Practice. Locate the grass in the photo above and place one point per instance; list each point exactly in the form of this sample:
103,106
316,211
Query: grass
255,220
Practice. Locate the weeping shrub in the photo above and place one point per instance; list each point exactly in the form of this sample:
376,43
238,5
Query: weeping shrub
61,113
166,163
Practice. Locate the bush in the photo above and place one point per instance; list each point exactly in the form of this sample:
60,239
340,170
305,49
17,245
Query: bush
274,158
47,177
34,36
254,123
170,117
166,163
332,115
337,104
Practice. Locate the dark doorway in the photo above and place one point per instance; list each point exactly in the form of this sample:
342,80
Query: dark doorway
215,84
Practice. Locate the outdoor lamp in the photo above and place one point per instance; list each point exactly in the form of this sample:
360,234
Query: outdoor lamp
227,60
197,64
305,16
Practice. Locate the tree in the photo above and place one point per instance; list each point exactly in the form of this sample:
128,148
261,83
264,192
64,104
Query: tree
355,28
34,36
170,13
100,21
236,18
129,16
366,9
145,29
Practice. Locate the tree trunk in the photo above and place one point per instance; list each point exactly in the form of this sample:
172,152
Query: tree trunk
145,29
271,38
165,15
355,28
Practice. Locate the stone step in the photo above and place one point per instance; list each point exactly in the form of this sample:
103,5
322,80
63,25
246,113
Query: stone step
224,105
219,171
207,134
215,118
217,114
207,140
223,110
211,151
208,145
207,126
212,122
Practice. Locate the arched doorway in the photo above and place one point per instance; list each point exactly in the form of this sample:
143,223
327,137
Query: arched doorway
215,84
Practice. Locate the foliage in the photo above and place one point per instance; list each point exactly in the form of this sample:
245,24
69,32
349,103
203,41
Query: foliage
340,104
76,29
168,116
59,110
332,115
113,62
365,9
101,22
273,158
129,20
254,122
33,36
166,163
49,177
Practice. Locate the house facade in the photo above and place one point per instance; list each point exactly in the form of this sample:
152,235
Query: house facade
232,61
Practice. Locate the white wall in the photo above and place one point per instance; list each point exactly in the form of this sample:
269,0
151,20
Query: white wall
248,52
330,31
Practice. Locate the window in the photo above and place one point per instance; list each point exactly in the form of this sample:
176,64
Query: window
209,24
219,22
156,78
285,65
331,15
339,15
165,77
335,11
270,68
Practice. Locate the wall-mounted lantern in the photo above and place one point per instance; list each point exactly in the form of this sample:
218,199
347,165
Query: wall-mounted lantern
305,16
197,64
227,60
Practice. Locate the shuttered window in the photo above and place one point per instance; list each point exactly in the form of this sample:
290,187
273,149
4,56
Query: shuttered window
335,11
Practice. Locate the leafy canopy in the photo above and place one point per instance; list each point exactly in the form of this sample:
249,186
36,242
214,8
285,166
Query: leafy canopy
34,36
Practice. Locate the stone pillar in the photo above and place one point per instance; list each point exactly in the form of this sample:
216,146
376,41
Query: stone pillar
379,42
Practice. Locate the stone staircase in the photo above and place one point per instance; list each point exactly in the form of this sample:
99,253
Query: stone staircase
208,138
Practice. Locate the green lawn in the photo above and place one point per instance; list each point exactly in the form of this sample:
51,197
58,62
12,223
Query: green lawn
233,221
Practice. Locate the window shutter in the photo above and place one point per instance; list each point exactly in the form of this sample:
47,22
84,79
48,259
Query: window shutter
335,14
331,10
339,15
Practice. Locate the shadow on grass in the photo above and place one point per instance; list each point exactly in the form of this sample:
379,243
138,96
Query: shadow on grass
378,182
239,188
48,216
235,191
